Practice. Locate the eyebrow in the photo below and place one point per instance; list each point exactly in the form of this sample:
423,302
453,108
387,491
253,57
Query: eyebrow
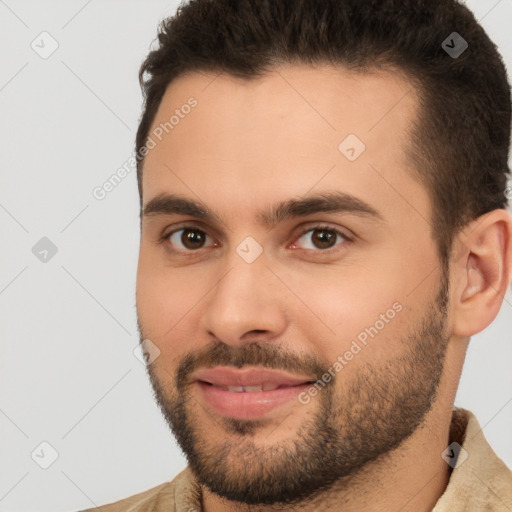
328,202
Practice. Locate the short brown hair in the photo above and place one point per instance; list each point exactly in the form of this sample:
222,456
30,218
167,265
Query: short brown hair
460,142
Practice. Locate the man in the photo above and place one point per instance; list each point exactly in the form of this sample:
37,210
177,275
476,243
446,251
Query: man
323,228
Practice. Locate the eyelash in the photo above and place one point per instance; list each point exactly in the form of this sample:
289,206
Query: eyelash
319,227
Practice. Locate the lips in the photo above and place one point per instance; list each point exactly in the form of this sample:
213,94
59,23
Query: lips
248,393
249,379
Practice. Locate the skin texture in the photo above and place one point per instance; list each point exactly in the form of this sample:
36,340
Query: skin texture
372,439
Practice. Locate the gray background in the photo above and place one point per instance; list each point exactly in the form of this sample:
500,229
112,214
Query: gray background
69,376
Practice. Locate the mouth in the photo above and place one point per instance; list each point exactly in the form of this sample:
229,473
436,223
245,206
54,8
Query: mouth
266,386
248,393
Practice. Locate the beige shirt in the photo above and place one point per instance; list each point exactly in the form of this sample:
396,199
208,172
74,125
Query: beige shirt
481,482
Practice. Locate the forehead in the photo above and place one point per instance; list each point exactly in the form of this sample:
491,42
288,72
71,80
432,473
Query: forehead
296,129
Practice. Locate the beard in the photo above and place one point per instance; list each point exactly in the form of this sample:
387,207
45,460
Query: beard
350,426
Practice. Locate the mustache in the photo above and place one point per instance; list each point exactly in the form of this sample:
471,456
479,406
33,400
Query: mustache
258,354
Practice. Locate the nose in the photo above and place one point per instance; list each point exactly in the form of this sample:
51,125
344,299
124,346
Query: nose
247,304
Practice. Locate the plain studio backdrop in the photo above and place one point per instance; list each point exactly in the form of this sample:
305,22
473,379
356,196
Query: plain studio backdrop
74,397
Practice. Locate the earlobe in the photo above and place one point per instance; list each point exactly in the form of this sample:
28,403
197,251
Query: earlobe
483,272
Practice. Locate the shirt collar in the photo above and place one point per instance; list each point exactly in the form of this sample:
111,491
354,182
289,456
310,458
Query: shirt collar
480,479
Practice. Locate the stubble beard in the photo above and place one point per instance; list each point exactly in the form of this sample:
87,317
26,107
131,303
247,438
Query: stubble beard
343,431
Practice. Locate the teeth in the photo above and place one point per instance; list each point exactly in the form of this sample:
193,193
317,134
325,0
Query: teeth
253,388
240,389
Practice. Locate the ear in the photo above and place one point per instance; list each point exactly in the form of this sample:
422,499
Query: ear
481,271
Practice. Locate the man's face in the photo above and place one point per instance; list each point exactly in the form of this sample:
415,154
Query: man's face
345,292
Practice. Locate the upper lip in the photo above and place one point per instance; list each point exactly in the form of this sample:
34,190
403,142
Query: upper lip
225,376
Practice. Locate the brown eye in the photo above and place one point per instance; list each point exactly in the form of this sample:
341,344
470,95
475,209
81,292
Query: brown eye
188,238
323,239
192,238
320,238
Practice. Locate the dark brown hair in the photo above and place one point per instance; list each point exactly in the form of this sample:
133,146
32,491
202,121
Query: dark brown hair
460,140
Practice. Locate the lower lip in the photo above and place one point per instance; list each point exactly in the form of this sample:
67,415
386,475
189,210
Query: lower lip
247,404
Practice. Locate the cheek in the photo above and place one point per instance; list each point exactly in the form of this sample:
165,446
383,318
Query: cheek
347,297
165,297
352,313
